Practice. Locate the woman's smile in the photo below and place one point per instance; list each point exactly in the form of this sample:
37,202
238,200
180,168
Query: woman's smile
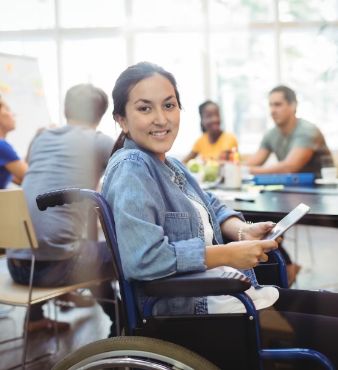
160,134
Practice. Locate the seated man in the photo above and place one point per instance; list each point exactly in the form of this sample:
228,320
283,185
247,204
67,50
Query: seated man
74,155
298,144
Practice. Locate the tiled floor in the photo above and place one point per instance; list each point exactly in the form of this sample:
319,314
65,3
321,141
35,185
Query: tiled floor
90,324
87,325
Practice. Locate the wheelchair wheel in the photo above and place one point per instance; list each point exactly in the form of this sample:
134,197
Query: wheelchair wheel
133,353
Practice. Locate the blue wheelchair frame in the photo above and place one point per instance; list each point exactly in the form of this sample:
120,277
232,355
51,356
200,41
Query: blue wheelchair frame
187,285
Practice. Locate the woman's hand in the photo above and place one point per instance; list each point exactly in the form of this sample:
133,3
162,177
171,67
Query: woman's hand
257,230
241,255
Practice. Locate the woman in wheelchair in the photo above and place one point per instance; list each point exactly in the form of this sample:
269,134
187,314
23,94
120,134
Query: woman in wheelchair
167,224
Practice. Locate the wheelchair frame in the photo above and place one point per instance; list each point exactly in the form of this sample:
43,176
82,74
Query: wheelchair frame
189,285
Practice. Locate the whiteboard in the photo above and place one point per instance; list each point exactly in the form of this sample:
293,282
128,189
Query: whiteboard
22,88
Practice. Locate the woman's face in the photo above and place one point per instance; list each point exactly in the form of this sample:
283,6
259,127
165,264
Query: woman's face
211,119
152,115
7,120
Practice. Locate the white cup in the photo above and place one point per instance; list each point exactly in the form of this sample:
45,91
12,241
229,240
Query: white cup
329,173
232,175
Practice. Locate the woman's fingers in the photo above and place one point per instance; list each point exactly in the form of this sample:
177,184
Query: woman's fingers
259,229
279,239
265,247
263,258
249,253
269,245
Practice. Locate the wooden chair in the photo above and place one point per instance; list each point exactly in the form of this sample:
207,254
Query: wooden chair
17,232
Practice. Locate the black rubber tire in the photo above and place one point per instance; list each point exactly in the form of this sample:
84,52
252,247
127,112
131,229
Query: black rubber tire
150,349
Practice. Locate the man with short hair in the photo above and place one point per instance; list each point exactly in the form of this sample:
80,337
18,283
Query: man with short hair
298,144
74,155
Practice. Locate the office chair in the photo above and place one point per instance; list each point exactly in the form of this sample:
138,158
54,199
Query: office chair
17,232
203,334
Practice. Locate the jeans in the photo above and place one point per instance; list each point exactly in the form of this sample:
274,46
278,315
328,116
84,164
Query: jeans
94,261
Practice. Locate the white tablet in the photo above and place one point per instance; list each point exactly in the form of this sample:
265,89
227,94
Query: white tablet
286,222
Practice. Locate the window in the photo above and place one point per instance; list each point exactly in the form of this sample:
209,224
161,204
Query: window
155,13
240,12
244,74
27,14
96,61
308,10
310,59
230,51
181,54
92,13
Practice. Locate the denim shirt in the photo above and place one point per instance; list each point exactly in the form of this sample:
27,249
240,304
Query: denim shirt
159,231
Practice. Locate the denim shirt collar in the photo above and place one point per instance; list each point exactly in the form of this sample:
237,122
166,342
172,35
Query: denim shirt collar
176,174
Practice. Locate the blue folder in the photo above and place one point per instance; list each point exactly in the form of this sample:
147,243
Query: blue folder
287,179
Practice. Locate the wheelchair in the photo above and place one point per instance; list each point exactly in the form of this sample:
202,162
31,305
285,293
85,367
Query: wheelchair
200,342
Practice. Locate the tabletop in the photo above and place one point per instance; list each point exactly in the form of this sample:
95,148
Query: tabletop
273,205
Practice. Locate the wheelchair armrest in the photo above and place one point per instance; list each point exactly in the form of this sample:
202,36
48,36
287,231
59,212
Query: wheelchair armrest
210,282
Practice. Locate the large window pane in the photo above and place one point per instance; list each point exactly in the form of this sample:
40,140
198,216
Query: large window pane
180,54
26,14
11,47
306,10
244,73
154,13
92,13
310,60
96,61
237,12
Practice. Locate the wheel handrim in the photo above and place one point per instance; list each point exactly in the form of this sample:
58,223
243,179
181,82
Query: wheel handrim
122,358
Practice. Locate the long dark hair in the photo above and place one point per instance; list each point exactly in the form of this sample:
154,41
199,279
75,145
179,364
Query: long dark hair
126,81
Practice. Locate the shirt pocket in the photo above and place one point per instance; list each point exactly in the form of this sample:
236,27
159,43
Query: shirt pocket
177,226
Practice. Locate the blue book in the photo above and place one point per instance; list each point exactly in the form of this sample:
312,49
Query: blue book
287,179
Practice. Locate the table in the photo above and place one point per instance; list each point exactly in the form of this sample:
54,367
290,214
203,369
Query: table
273,205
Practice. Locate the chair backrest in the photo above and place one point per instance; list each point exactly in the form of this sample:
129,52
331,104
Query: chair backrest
107,221
16,227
